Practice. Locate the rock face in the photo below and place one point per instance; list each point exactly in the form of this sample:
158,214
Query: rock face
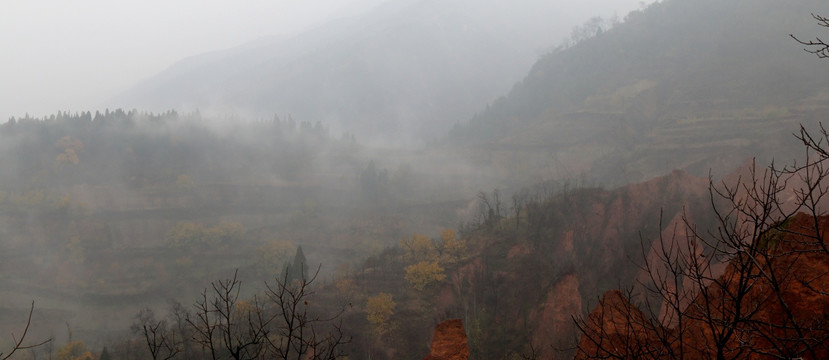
785,318
449,342
553,317
615,324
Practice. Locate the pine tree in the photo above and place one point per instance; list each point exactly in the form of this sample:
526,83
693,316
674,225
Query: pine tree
104,354
298,269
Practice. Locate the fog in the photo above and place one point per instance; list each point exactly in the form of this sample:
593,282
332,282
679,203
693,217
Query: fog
504,163
88,50
73,56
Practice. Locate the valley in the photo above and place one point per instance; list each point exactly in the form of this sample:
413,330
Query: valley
339,193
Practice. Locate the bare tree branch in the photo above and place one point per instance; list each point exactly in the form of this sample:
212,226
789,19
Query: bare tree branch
816,46
18,343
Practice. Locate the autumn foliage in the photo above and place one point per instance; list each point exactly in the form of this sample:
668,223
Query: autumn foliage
776,318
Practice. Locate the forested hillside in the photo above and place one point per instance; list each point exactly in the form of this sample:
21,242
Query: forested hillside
694,85
640,148
103,214
516,275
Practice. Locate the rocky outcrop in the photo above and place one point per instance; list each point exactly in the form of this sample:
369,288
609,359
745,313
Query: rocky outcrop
787,317
554,317
615,324
449,342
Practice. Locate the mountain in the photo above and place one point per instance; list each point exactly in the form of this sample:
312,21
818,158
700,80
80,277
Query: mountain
694,85
406,70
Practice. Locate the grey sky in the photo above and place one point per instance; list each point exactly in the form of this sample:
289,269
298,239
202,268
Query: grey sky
72,55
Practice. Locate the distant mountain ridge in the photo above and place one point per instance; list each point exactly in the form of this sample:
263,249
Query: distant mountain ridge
408,69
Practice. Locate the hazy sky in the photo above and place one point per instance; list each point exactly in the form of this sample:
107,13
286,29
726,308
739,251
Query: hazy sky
73,55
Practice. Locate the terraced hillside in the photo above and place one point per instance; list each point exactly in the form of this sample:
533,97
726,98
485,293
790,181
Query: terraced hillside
683,84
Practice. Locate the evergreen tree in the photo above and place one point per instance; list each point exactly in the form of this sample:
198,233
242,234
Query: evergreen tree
298,269
104,354
300,264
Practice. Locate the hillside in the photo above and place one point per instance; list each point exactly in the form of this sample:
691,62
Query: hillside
725,265
681,84
103,214
516,280
404,72
783,315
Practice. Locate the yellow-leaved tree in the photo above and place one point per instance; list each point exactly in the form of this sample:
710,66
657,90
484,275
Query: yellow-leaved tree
188,235
74,350
226,232
418,247
185,235
423,274
70,148
452,249
379,310
427,257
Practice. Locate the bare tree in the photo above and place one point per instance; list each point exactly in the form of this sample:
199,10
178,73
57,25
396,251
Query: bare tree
204,326
725,291
227,327
18,343
519,201
160,341
181,330
284,326
816,46
618,331
301,332
489,211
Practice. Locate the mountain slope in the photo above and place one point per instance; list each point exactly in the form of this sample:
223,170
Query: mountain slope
519,280
406,69
681,84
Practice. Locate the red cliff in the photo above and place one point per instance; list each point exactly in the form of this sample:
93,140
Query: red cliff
449,342
786,317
